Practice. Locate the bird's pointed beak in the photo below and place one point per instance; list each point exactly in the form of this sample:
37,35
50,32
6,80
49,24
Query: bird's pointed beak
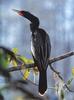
17,11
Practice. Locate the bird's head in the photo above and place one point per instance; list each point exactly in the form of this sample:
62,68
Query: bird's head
34,20
21,13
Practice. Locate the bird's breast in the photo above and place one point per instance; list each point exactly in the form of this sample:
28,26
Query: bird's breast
32,48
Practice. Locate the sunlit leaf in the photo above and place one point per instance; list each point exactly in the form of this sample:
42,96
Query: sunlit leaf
15,50
14,63
25,60
26,74
73,71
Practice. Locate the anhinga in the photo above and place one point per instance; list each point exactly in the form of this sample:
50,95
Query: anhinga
40,48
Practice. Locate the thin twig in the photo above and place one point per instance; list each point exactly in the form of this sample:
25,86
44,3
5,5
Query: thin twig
61,57
61,78
19,67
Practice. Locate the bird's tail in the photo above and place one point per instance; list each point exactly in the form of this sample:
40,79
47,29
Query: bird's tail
42,82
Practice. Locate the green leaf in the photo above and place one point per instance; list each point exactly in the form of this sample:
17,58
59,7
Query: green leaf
4,62
26,74
15,50
73,71
14,63
62,94
69,81
25,60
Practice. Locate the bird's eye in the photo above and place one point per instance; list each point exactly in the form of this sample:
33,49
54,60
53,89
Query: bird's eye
21,13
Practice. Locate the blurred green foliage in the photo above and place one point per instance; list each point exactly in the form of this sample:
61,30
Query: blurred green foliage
4,61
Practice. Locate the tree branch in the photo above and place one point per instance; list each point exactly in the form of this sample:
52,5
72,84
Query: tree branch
19,67
51,60
61,57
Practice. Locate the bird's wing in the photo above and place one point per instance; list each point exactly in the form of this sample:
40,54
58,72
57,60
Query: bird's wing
42,52
48,46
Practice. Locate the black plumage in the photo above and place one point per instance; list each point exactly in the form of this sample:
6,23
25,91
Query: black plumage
41,53
40,48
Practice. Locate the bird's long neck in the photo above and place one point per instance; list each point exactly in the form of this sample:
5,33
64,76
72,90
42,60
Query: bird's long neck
31,18
33,28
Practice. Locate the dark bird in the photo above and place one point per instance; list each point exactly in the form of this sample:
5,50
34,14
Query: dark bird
40,48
